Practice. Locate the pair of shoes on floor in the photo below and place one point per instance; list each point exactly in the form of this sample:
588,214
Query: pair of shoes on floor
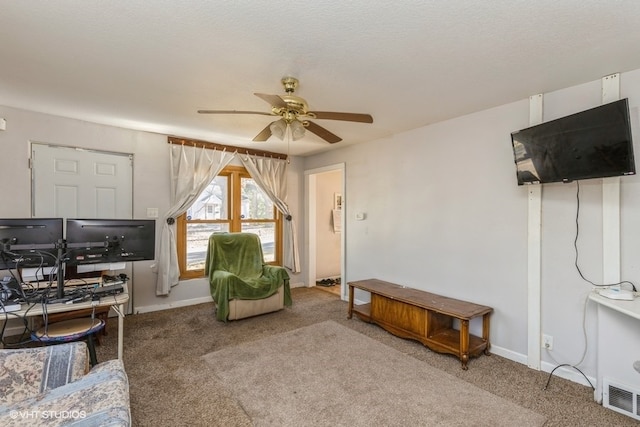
325,282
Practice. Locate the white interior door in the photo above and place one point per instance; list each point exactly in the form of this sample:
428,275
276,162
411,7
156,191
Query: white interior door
73,183
68,182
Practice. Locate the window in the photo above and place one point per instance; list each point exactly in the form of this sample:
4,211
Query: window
232,202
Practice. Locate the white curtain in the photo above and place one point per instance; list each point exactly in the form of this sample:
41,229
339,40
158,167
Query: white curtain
270,174
192,169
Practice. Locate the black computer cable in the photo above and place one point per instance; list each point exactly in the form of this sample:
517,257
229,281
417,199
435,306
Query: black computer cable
576,263
571,366
21,341
575,246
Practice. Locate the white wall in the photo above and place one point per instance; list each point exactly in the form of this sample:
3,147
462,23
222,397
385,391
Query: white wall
446,216
444,213
327,241
150,185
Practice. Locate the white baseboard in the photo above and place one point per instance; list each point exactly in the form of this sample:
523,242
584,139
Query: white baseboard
564,372
182,303
570,374
508,354
187,302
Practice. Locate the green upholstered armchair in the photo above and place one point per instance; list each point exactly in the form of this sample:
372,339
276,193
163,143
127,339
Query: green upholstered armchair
241,284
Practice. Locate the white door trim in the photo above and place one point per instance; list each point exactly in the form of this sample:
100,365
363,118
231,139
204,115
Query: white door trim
310,177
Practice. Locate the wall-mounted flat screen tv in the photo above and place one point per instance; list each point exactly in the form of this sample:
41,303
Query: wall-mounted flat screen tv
595,143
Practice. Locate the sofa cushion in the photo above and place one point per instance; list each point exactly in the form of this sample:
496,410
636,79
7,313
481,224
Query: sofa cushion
27,372
100,398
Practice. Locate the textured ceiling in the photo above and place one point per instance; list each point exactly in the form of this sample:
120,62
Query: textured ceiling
151,64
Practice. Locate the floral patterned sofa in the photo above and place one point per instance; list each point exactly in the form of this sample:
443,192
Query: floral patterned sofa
53,386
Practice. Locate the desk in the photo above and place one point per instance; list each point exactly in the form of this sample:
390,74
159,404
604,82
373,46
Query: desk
629,308
618,348
424,317
36,310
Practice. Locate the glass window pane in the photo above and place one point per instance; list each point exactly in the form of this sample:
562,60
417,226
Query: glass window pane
266,232
197,241
212,202
255,203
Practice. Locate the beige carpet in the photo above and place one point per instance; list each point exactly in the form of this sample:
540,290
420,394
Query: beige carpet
327,375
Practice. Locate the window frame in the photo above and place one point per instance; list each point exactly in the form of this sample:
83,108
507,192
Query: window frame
235,175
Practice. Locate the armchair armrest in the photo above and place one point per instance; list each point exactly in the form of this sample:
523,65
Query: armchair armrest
280,274
275,271
27,372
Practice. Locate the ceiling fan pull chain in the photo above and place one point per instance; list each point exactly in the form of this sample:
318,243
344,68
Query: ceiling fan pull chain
289,136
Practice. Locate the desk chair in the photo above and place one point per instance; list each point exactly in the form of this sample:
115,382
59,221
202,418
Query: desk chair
101,313
71,330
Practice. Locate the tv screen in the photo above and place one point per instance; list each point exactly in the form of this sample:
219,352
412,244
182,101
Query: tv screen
595,143
91,241
29,242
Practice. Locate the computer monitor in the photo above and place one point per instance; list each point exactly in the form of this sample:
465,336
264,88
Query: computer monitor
29,242
91,241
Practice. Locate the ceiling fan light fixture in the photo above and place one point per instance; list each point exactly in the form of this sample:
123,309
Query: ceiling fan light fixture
294,114
297,130
279,129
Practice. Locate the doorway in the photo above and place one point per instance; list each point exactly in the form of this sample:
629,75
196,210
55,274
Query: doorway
325,207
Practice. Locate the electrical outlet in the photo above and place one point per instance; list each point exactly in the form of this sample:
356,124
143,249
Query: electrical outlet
152,212
547,342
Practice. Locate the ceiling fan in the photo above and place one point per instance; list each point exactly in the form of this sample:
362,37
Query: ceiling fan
294,115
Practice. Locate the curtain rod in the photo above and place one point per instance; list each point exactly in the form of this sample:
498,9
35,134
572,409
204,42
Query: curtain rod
230,148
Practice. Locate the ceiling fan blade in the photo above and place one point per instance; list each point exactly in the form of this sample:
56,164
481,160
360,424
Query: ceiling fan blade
273,100
264,134
348,117
233,112
322,132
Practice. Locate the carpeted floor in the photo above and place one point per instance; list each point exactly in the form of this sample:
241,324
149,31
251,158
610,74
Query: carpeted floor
171,384
334,289
288,379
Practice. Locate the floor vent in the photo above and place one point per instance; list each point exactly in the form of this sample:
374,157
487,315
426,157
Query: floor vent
621,398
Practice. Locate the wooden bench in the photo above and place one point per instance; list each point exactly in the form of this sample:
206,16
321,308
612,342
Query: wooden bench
423,316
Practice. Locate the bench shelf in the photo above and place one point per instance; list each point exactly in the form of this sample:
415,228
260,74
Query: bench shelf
424,317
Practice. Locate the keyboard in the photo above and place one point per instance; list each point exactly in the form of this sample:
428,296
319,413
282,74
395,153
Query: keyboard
114,289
